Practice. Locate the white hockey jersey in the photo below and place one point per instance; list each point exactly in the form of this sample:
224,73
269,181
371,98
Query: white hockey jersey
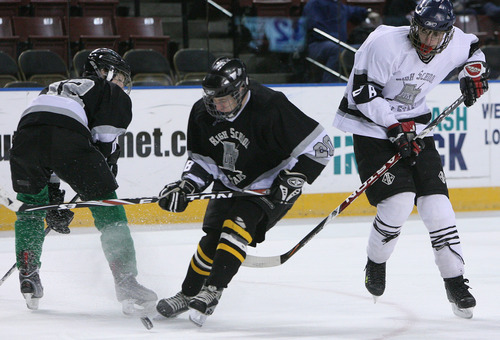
394,81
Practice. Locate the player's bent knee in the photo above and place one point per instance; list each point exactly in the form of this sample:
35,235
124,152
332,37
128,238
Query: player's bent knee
234,239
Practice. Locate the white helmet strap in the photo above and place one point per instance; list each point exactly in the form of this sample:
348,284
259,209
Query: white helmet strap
111,73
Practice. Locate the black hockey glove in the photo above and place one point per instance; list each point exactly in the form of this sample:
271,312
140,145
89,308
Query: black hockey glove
58,220
403,136
287,187
474,81
173,196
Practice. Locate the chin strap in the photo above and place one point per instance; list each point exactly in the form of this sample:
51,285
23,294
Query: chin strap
111,74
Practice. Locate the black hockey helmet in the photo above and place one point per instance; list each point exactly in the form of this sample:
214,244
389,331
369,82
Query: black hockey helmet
226,77
112,64
434,16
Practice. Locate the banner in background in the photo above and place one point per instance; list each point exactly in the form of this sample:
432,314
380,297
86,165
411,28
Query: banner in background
154,148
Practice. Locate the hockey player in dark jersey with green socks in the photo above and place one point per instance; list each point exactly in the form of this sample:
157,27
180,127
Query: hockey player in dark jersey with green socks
71,130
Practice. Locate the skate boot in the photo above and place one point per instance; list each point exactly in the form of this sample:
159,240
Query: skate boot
462,302
203,304
375,278
136,299
31,286
173,306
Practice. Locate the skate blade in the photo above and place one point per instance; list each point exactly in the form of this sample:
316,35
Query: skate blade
197,317
31,302
131,308
465,313
375,298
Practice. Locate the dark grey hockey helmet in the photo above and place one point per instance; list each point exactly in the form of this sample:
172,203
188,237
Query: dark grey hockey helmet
112,64
226,77
432,17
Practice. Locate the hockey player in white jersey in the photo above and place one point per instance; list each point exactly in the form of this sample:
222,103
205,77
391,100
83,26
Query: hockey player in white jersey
384,107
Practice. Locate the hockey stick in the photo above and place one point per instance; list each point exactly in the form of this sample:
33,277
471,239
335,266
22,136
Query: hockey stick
15,205
273,261
11,270
335,40
326,68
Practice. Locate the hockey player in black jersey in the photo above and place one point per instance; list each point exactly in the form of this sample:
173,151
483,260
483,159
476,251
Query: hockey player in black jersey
384,107
241,135
71,130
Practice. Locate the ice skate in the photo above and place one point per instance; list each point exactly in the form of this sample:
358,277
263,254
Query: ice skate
203,304
173,306
136,299
31,287
375,278
462,301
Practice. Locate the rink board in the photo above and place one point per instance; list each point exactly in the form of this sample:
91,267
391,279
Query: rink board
154,151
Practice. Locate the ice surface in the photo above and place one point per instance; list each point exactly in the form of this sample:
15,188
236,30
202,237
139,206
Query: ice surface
318,294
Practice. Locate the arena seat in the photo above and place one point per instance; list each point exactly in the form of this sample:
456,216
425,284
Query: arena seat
38,33
8,69
92,32
192,63
148,65
42,66
8,41
142,33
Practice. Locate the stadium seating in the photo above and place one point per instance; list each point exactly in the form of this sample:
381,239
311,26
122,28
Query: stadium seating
42,33
376,5
79,60
22,84
8,69
492,53
8,41
98,8
192,63
142,33
50,8
273,8
92,32
9,8
148,65
42,66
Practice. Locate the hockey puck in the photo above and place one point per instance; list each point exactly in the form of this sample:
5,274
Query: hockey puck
147,322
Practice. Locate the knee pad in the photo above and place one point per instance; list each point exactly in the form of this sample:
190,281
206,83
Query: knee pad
436,212
395,210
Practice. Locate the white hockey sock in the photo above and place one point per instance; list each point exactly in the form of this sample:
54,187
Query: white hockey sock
438,216
391,214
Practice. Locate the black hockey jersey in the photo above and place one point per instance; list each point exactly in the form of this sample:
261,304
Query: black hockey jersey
269,134
94,107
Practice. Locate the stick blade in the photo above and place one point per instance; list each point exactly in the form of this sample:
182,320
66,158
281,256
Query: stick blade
262,262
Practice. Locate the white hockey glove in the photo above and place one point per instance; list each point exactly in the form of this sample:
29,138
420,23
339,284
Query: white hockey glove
473,81
287,187
58,220
173,196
